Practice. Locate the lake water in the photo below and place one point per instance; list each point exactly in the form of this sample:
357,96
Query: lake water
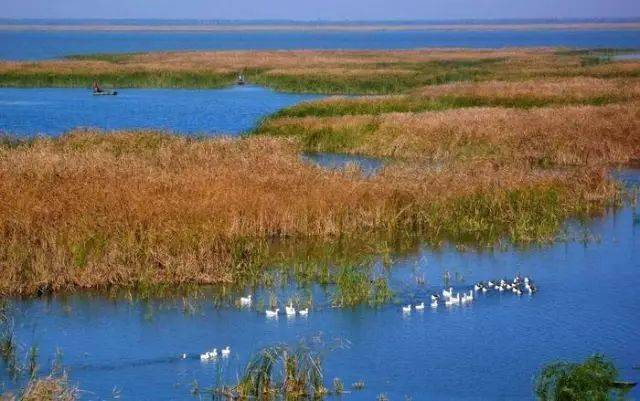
490,350
52,111
32,45
337,161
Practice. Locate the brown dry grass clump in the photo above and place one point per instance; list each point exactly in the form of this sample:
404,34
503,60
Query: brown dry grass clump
94,210
337,72
550,89
556,136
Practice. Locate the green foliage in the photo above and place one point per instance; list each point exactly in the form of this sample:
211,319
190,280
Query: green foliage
293,373
592,380
136,79
109,57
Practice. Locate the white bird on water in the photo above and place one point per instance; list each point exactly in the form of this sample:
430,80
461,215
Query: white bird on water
290,310
304,312
209,355
226,351
434,303
406,309
272,313
245,301
420,306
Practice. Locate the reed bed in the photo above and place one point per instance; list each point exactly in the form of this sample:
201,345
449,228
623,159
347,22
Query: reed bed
513,94
559,136
335,72
132,209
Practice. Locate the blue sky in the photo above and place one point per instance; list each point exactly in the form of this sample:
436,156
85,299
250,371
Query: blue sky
320,9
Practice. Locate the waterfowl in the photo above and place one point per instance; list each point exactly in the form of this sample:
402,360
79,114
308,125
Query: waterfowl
226,351
209,355
485,289
406,309
272,313
184,356
304,312
435,298
290,310
434,303
448,294
420,306
490,284
453,300
245,301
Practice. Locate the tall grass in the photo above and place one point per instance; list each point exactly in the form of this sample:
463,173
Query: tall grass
333,72
142,209
517,94
547,137
283,372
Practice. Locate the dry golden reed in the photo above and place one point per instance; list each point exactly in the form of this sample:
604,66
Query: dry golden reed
93,210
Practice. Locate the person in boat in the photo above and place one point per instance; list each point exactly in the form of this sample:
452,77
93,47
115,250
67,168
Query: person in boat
96,87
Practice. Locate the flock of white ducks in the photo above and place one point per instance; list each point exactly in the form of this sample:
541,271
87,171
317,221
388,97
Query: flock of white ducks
213,354
517,286
289,310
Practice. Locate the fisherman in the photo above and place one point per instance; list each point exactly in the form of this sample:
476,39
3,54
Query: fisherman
96,87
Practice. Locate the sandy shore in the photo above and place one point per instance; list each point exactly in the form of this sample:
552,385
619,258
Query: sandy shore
337,27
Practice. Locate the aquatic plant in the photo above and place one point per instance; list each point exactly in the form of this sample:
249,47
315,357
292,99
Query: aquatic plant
593,380
338,386
293,373
204,213
340,72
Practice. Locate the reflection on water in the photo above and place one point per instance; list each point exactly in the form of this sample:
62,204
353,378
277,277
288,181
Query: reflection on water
52,111
340,161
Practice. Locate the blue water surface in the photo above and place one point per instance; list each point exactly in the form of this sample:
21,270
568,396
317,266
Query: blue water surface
52,111
36,45
490,350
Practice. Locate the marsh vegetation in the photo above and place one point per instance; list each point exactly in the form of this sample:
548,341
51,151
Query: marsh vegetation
484,147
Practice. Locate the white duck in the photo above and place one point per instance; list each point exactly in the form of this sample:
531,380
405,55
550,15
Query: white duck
245,301
290,310
406,309
209,355
453,300
304,312
434,303
272,313
420,306
448,294
226,351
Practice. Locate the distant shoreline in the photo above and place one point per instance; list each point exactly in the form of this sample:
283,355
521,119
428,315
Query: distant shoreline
320,27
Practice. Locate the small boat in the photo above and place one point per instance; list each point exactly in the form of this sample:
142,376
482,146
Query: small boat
105,93
623,384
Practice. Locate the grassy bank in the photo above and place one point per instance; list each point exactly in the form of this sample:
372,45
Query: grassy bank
550,137
93,210
512,94
330,72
